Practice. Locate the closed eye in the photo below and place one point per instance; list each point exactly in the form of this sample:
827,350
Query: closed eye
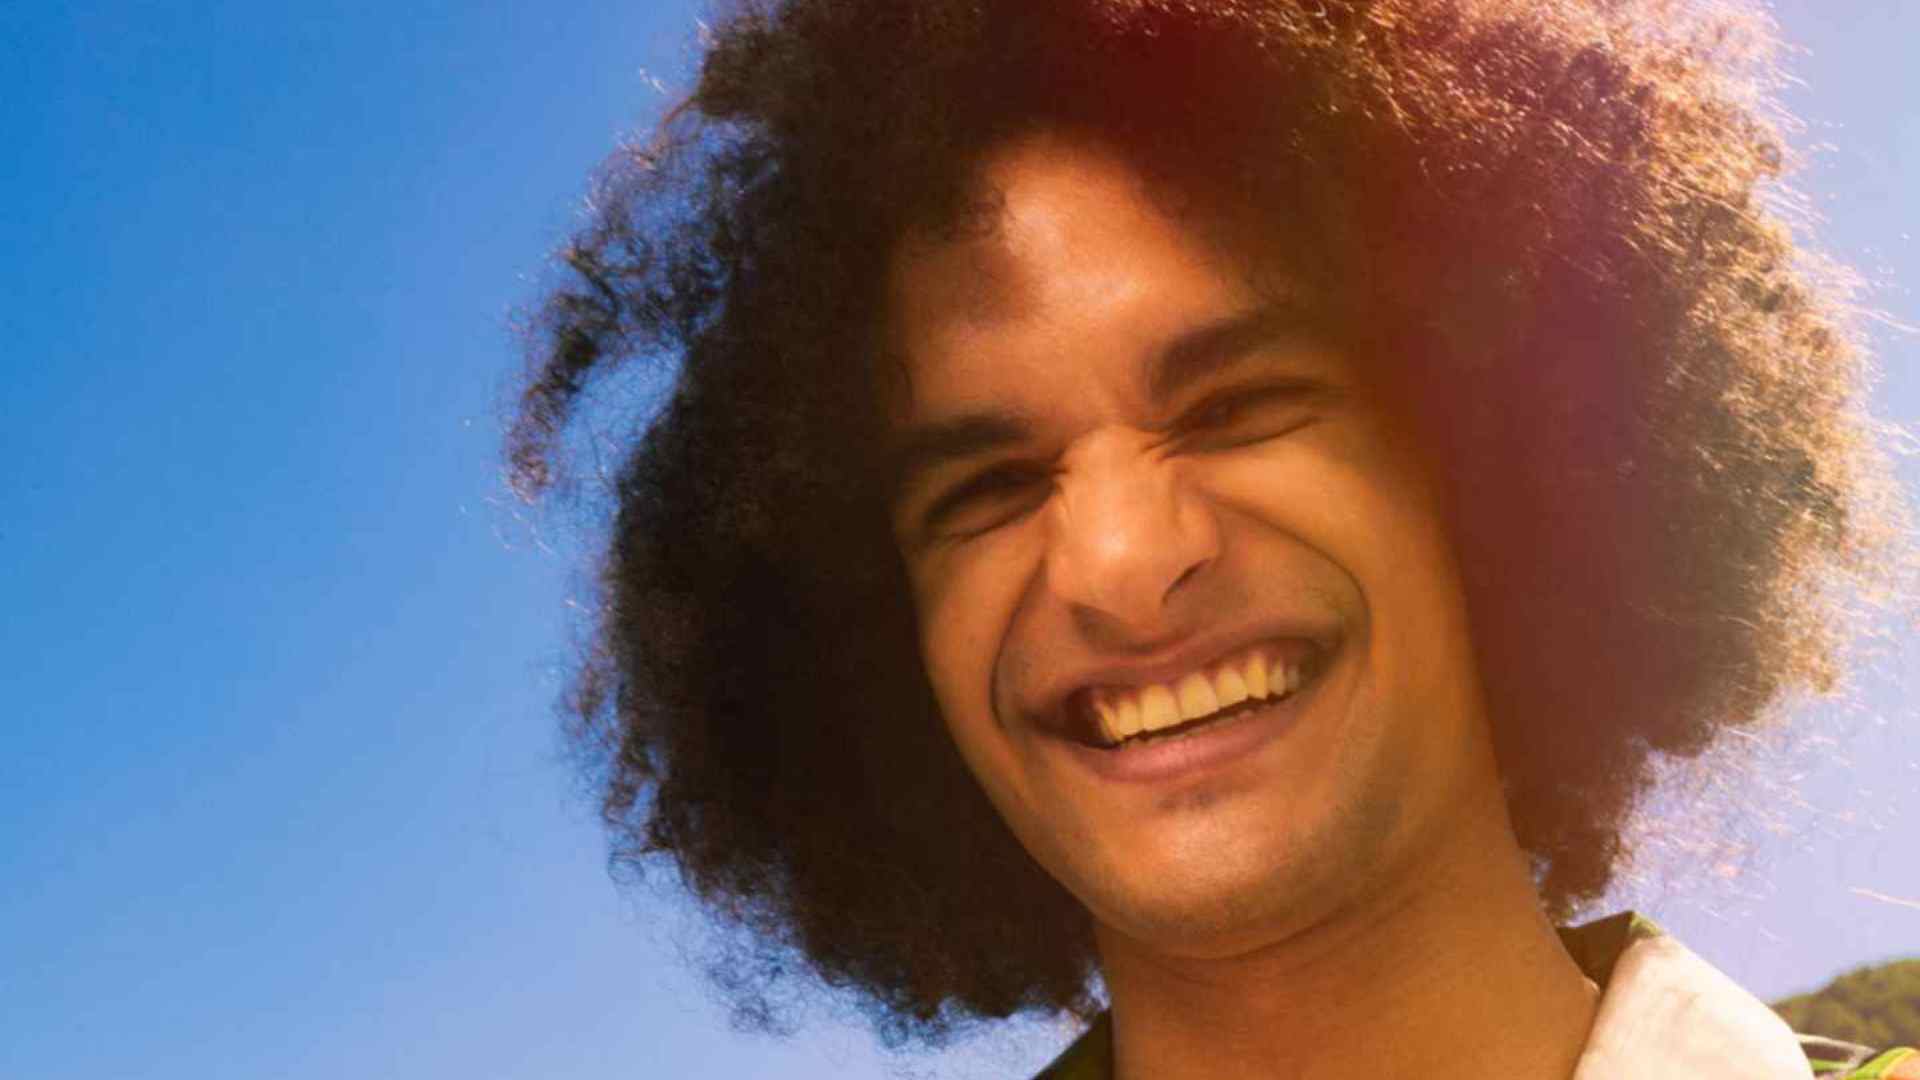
987,499
1247,414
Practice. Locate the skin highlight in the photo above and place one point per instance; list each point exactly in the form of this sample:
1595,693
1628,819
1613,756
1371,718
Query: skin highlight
1254,917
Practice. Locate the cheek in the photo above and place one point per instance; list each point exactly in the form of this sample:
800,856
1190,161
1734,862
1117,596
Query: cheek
1365,504
966,600
1371,506
1351,492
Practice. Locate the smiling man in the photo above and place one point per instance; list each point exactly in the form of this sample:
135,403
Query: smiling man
1189,607
1215,507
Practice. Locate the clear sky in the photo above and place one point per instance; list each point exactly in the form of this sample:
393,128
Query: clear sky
280,793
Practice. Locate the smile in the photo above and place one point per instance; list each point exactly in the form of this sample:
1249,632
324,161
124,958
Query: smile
1269,672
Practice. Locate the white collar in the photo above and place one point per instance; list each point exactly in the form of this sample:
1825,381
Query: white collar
1666,1013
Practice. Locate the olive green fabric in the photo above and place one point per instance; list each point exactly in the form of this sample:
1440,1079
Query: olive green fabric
1886,1066
1089,1058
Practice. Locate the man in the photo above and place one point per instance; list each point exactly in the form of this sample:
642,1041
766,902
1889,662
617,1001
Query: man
1219,503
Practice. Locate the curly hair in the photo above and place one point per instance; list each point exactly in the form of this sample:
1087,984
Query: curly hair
1555,219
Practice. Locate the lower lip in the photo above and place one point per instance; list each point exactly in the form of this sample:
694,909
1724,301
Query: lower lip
1202,750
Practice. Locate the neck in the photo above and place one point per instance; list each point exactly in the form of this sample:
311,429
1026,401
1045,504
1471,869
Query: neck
1452,972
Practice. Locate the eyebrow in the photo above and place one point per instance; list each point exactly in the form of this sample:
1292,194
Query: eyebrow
1191,357
1208,349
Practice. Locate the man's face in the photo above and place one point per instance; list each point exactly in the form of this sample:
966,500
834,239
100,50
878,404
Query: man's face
1137,487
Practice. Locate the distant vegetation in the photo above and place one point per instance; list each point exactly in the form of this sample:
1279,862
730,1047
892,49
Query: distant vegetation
1878,1006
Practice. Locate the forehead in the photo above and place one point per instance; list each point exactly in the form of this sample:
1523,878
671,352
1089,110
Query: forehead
1072,254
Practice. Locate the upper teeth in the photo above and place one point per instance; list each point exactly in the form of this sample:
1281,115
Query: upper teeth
1124,713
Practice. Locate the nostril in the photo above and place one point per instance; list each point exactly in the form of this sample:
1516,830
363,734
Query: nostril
1188,574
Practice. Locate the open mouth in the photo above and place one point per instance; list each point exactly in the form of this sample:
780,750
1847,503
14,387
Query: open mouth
1116,717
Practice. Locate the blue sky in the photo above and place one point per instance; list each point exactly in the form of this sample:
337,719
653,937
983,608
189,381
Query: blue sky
279,789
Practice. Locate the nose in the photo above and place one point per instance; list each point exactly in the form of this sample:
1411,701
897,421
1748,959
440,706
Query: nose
1128,534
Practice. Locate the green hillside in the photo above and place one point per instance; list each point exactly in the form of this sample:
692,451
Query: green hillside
1878,1006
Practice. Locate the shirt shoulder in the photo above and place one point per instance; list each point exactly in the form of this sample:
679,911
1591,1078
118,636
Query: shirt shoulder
1663,1010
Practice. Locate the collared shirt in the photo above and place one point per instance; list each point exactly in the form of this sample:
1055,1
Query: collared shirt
1664,1012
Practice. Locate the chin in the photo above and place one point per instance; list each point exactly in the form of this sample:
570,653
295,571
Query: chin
1220,918
1239,887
